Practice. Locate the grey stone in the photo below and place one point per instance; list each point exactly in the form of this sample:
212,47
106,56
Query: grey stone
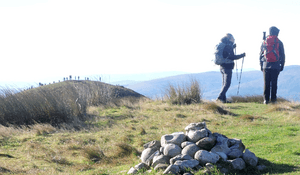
234,153
188,173
180,157
172,150
186,164
238,163
141,166
186,143
236,144
160,159
236,147
250,158
153,144
221,138
221,144
222,155
176,138
161,149
195,126
149,160
204,157
206,143
147,153
161,167
190,150
232,142
220,148
132,171
224,170
172,169
196,135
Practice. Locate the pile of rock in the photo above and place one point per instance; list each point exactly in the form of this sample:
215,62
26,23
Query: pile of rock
189,152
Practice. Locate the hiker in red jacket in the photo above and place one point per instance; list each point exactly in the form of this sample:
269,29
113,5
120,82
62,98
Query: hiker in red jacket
272,59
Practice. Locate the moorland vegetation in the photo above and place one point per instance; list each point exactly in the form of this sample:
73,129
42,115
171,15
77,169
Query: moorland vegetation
86,127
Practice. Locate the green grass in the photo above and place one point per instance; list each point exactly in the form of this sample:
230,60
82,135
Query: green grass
114,137
110,135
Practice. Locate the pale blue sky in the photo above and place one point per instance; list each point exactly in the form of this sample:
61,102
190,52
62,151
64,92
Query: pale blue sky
50,38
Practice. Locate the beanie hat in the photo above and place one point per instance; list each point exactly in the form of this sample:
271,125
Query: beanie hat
274,31
230,37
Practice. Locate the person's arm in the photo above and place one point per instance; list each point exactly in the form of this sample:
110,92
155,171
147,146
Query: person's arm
261,55
228,53
281,55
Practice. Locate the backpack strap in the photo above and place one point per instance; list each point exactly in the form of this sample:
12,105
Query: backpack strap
275,45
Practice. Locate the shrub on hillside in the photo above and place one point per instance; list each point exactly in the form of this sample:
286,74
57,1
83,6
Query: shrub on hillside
185,94
42,105
55,104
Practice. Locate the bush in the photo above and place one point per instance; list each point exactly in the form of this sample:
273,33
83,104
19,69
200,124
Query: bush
184,94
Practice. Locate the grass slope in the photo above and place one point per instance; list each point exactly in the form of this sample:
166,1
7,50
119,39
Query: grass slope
59,102
113,138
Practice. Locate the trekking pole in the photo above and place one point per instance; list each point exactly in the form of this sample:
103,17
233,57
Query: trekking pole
240,76
236,67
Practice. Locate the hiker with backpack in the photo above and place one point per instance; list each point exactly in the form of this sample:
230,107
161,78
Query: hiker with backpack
224,56
272,59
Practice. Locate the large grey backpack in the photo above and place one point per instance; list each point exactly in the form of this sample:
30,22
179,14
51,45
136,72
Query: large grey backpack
219,59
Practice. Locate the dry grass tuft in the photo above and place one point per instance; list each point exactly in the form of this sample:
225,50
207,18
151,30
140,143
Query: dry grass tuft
42,129
142,131
123,150
213,107
9,131
180,116
60,160
94,153
249,117
281,107
184,94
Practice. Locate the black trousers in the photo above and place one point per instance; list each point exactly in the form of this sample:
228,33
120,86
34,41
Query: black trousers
270,84
226,81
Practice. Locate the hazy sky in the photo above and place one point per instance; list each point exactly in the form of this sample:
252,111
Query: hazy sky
50,38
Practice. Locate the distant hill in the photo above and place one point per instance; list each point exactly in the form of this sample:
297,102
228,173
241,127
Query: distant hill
211,82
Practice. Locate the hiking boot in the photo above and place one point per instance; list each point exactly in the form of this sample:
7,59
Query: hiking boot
220,100
274,102
266,102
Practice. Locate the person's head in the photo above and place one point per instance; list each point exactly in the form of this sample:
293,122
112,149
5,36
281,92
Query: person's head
274,31
228,38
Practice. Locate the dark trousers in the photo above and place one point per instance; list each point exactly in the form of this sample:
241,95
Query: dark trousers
226,81
270,84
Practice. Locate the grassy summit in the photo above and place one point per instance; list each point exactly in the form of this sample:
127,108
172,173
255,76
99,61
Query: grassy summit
56,103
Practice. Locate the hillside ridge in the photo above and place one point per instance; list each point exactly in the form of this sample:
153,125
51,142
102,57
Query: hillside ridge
211,82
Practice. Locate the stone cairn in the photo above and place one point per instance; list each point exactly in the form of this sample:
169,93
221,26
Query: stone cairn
198,149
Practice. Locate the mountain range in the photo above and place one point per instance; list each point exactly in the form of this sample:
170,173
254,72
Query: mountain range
251,83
